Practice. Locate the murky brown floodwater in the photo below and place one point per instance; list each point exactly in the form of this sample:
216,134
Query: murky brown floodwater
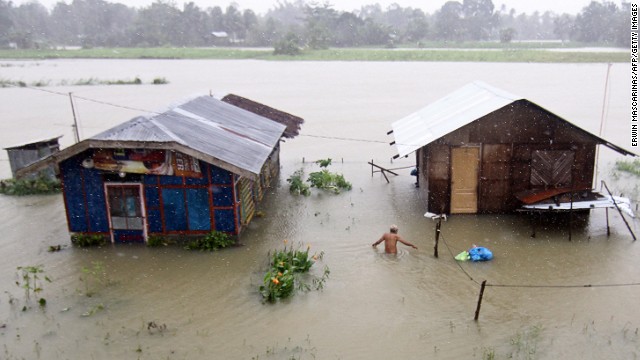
373,306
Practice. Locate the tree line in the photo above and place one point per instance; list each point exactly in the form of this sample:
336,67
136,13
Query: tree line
291,25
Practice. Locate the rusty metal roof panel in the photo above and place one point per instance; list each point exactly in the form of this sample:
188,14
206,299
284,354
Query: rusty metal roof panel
209,126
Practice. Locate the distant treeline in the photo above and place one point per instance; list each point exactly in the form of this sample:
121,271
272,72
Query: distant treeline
292,25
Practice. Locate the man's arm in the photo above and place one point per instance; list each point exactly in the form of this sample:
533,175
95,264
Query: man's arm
378,242
406,242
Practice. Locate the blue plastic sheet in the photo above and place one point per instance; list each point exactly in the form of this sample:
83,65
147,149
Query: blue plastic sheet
480,253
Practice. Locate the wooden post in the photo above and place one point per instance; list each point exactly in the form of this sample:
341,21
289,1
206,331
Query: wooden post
484,283
76,132
619,211
435,248
606,210
533,223
571,205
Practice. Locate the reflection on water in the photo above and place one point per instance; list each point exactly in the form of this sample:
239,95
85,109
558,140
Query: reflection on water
374,305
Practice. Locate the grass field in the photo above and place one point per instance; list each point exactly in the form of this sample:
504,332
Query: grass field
466,54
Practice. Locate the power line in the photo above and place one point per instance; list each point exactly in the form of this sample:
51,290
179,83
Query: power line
160,113
539,286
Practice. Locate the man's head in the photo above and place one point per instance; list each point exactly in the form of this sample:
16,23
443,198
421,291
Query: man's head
394,229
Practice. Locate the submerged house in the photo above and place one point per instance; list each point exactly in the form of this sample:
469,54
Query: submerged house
479,147
201,166
24,154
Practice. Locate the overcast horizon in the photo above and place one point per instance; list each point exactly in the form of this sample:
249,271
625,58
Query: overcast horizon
261,6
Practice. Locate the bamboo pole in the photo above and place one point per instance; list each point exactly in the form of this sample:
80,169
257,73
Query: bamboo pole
435,248
482,286
620,211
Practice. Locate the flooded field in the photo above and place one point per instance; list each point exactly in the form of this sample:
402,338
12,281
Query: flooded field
170,303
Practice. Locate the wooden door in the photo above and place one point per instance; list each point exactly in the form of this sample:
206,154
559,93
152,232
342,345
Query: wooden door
126,213
465,162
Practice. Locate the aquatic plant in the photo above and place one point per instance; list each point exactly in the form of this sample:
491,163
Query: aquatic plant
30,279
159,81
283,276
88,240
213,241
327,180
323,179
20,187
157,240
93,276
297,186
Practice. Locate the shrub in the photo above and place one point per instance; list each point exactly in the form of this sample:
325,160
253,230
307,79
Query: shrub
87,240
298,186
211,242
283,277
157,240
39,186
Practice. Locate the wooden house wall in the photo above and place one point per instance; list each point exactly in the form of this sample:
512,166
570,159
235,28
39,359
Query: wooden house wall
507,139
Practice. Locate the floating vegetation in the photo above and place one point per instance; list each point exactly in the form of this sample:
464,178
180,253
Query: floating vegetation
160,81
213,241
297,185
55,248
284,275
81,82
39,186
31,279
94,276
93,310
88,240
152,327
323,179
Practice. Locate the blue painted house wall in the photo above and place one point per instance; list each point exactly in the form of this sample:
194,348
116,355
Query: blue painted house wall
173,205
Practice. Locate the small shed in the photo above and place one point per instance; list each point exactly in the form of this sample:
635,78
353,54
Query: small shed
201,166
27,153
479,146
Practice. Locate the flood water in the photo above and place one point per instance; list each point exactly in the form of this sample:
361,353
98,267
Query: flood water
373,306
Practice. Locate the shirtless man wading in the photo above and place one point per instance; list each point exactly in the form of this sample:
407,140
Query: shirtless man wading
391,239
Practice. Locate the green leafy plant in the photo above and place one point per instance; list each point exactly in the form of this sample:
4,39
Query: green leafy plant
38,186
213,241
631,167
31,278
326,180
157,240
159,81
284,274
93,276
297,185
87,240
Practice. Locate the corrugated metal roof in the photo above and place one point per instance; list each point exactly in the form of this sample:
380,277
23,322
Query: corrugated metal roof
450,113
204,127
31,143
208,126
454,111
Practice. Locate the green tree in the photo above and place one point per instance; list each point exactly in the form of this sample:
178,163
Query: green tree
320,22
480,19
449,23
417,27
154,24
594,22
